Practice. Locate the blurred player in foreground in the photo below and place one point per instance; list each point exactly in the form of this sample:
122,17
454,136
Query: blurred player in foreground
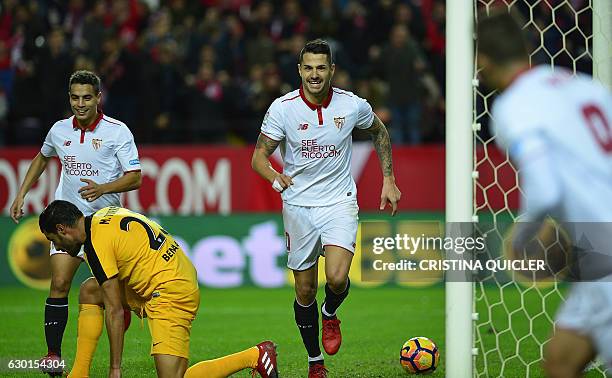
314,127
99,161
558,131
137,264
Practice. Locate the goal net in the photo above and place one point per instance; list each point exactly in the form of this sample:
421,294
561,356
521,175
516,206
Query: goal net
515,319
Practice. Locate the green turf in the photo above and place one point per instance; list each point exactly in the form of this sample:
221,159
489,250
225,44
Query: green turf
375,323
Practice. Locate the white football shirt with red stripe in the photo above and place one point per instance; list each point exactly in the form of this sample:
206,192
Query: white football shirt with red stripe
103,152
317,144
558,130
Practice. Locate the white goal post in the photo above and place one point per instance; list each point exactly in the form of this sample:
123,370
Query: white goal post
463,352
459,197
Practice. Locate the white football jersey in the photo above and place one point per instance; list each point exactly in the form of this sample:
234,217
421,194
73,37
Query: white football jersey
317,144
558,130
101,153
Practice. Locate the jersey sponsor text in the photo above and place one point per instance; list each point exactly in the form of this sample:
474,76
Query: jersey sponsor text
312,150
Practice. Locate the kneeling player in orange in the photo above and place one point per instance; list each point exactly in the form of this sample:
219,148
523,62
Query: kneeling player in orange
138,265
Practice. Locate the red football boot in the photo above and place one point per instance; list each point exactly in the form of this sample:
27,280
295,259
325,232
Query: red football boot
317,371
331,338
266,363
52,364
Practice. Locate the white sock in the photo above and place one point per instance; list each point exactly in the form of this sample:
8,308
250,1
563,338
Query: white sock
324,311
301,305
317,358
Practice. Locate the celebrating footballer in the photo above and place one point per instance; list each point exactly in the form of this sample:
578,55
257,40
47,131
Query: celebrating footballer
313,125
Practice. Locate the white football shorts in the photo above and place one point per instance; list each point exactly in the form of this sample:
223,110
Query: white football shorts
53,251
309,229
588,311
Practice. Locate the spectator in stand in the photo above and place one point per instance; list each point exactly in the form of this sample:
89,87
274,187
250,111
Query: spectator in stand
234,47
401,64
164,87
94,31
289,61
261,49
290,22
55,65
119,71
206,101
434,15
325,19
355,19
380,20
411,18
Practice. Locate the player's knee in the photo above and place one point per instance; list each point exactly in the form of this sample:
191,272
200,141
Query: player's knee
60,285
337,282
306,294
89,292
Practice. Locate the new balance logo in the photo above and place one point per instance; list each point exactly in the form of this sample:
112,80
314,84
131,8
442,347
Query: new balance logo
67,142
303,126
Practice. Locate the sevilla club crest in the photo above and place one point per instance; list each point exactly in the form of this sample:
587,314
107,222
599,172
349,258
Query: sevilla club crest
339,122
96,143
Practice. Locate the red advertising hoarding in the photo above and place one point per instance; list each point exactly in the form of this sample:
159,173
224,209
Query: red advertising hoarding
209,179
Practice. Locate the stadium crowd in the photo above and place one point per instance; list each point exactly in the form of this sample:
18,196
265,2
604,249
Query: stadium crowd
205,71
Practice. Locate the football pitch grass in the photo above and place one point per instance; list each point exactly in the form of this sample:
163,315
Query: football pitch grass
375,323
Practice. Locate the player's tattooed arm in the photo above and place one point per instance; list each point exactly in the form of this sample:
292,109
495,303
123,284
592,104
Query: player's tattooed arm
266,145
382,144
260,162
390,193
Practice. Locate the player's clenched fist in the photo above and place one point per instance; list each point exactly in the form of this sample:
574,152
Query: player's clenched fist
281,182
17,209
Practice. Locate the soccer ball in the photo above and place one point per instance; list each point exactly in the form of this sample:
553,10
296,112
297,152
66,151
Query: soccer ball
419,355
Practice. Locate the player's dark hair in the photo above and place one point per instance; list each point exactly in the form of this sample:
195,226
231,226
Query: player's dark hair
318,46
500,36
85,77
58,212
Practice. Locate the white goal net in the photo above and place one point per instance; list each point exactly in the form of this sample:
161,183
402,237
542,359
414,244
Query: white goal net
515,319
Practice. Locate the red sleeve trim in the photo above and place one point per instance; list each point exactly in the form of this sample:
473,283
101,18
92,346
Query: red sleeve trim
113,122
133,170
292,98
336,90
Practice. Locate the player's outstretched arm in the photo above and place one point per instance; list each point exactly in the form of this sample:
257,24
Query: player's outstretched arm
114,323
260,162
129,181
37,167
382,143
